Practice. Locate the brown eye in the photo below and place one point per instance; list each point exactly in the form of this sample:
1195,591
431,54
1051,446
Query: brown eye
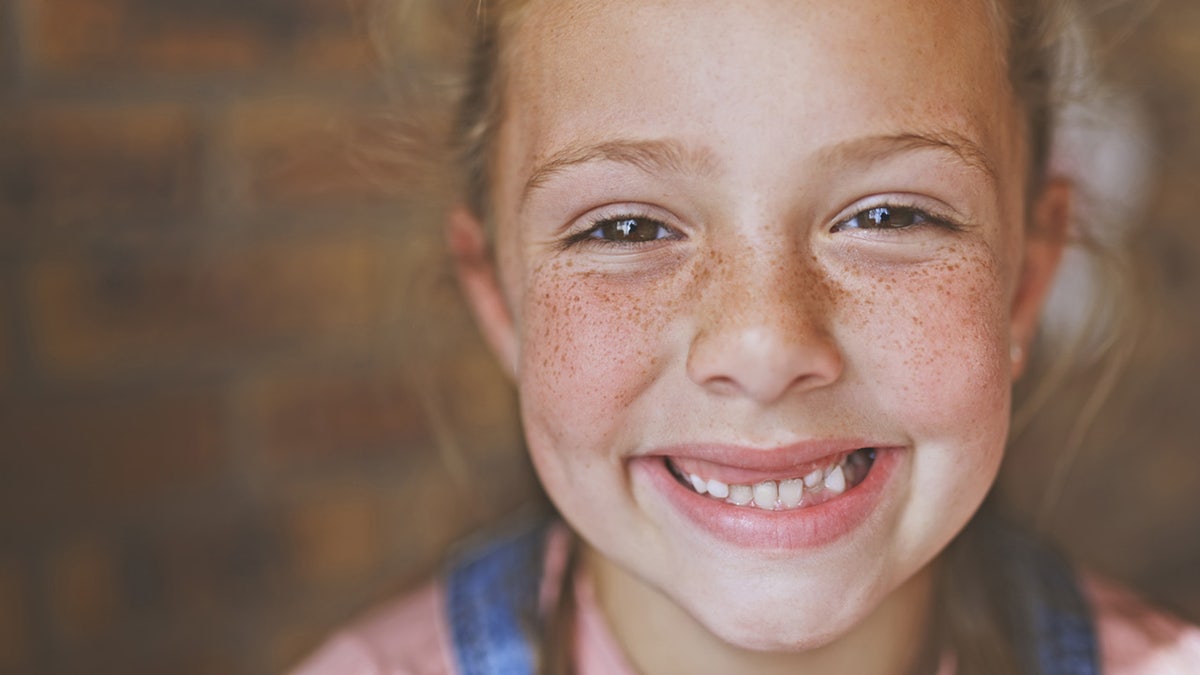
886,218
630,230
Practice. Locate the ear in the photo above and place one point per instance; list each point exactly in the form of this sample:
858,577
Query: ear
477,276
1042,250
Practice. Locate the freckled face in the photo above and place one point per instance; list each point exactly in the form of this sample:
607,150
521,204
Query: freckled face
761,225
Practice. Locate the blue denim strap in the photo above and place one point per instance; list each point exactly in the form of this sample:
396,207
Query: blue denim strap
1063,637
1067,645
492,602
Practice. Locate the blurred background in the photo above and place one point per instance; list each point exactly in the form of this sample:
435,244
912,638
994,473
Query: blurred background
218,436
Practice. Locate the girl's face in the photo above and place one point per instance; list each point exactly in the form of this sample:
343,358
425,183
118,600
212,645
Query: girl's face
760,268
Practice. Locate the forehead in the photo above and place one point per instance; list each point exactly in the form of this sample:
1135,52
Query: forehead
756,75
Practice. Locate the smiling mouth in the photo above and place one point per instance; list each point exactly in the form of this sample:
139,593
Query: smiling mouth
819,484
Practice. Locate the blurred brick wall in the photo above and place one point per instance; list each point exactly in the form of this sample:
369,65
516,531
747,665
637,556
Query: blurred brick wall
211,447
212,439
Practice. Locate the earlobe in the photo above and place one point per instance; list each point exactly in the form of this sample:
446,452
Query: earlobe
477,274
1042,250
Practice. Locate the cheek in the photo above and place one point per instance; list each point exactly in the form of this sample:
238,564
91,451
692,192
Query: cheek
936,345
589,346
936,365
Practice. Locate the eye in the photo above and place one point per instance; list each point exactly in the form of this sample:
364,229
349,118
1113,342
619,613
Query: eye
624,230
892,218
629,230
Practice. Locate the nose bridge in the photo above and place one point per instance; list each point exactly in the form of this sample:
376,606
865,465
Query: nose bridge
764,325
781,290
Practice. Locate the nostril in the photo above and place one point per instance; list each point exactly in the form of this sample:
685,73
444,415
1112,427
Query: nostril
723,386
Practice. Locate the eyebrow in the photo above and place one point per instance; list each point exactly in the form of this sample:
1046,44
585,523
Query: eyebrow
874,148
654,156
651,156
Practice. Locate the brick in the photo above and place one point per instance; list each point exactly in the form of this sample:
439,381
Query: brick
302,152
462,388
63,165
300,418
85,594
210,37
335,536
480,400
201,650
15,633
178,659
8,322
477,405
67,460
122,312
7,46
216,564
431,510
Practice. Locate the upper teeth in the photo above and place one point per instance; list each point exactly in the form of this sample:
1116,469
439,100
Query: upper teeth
791,491
772,495
836,480
716,488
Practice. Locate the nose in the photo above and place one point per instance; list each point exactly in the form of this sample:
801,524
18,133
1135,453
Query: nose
763,330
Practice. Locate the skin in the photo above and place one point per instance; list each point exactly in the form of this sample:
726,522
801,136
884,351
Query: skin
754,132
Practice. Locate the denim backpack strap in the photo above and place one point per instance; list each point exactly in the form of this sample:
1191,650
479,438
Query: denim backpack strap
1062,636
491,597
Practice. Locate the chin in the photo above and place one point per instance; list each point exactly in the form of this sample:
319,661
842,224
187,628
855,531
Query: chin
778,635
782,612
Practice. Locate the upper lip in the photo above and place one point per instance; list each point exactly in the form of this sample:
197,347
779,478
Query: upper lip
772,459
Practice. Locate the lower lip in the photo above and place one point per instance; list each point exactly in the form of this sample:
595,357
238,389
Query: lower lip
750,527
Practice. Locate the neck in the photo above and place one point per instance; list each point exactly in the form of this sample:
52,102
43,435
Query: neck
659,637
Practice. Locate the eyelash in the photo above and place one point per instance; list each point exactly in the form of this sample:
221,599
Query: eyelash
590,235
877,211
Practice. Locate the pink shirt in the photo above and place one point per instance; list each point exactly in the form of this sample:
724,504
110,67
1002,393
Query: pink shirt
411,636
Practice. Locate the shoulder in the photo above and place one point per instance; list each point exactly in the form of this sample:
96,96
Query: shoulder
492,574
1137,639
407,636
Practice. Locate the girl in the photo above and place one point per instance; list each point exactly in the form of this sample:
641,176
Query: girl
764,274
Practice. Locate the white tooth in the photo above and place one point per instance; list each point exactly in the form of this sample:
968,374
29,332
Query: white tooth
717,489
741,494
813,479
698,483
765,494
790,492
836,480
